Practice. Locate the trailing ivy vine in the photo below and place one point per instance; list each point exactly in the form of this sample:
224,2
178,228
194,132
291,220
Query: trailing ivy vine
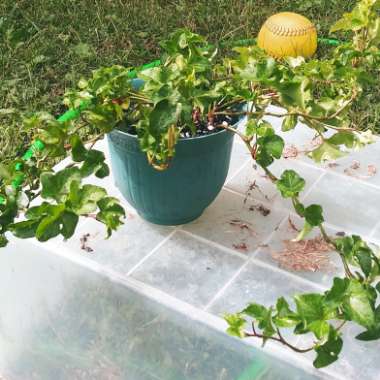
195,85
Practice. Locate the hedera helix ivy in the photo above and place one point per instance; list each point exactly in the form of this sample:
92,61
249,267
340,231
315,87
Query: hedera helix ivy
195,84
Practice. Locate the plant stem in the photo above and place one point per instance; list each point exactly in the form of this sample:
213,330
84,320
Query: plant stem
280,339
245,139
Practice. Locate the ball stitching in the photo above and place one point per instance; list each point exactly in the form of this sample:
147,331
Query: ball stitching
288,32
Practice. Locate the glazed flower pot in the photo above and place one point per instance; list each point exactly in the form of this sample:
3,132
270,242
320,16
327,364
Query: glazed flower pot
181,193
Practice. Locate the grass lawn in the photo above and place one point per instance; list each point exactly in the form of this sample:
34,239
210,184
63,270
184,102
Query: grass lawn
47,45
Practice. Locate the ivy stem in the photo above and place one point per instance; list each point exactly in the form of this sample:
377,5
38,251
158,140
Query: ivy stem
245,139
280,339
296,113
341,325
327,238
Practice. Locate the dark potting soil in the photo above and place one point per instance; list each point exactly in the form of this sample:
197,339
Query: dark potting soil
202,127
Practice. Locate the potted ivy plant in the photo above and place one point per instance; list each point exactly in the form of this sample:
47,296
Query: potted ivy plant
169,157
186,109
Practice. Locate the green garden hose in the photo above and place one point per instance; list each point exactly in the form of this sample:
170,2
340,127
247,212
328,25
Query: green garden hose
71,114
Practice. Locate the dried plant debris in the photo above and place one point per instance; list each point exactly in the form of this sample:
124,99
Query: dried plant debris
355,165
242,225
84,243
308,255
241,246
354,170
264,211
253,186
292,225
290,151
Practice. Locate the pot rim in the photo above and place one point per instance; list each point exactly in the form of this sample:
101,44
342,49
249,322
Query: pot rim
191,138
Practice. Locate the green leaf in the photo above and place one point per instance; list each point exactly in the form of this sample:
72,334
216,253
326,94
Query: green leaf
264,159
26,229
369,335
111,213
69,223
263,316
103,171
347,139
290,184
3,241
335,296
57,186
273,145
358,305
320,329
328,352
93,163
310,306
285,317
163,115
326,152
50,226
235,325
251,128
84,200
365,260
296,92
255,311
78,151
289,123
314,215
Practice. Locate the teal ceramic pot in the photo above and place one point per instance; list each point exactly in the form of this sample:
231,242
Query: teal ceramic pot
179,194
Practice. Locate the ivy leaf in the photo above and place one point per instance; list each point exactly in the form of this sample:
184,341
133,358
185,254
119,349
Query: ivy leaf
289,123
326,152
296,92
50,226
335,296
265,129
93,163
57,185
256,311
273,145
358,305
103,171
264,159
251,128
163,115
78,151
369,335
314,215
320,329
290,184
84,200
263,316
235,325
347,139
3,241
285,317
111,213
69,223
25,229
328,352
365,260
310,306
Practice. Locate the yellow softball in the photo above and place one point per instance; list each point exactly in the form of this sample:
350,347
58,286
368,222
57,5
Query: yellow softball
288,34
